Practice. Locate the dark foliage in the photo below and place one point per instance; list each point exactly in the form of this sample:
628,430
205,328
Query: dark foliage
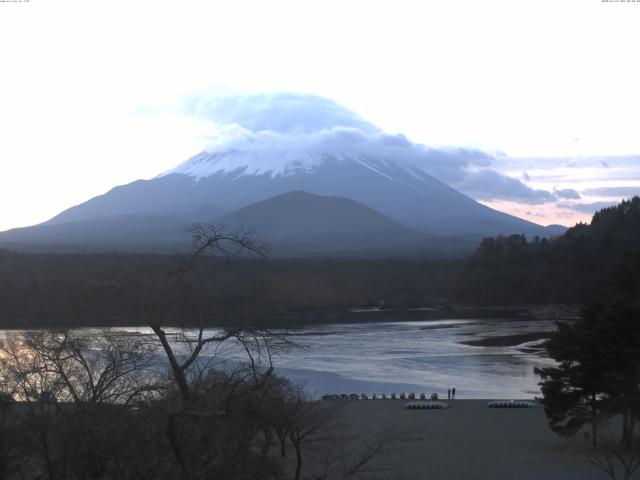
598,371
77,290
235,424
572,268
574,390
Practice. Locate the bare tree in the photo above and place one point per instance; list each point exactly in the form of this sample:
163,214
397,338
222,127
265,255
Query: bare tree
73,392
346,457
618,459
310,421
12,439
278,410
207,240
212,413
316,433
103,369
204,397
30,382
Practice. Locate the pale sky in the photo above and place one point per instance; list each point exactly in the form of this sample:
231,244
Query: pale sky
550,89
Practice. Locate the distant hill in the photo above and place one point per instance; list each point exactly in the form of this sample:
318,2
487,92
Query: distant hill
301,223
572,268
119,233
315,223
292,224
130,232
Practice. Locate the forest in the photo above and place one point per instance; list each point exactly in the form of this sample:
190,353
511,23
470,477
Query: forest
571,269
70,290
86,289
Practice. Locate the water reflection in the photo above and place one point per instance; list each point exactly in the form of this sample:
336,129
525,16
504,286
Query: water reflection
428,356
418,356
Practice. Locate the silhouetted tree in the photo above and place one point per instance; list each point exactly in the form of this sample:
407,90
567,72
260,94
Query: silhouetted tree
574,390
73,394
572,268
598,372
616,459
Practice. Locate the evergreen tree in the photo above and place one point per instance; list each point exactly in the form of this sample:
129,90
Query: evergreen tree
598,371
574,391
572,268
623,321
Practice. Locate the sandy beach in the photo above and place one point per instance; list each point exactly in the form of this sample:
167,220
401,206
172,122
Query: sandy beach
467,441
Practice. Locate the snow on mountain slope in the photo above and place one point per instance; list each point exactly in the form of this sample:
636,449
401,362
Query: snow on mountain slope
272,162
283,163
268,145
401,192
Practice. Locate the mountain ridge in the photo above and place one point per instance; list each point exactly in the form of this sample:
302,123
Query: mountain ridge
406,194
264,146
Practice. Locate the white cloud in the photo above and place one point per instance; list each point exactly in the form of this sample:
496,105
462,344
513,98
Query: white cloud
488,184
620,191
567,193
588,208
281,112
278,126
478,75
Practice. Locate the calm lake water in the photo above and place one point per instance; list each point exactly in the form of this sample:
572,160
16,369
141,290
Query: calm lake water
418,357
415,356
412,356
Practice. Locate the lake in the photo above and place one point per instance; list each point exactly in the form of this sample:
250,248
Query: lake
410,356
416,356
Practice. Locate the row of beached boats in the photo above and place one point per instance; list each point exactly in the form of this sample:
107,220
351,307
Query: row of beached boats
382,396
511,404
492,404
430,402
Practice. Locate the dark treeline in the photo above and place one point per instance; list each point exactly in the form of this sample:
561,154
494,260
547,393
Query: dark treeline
572,268
66,289
595,381
84,289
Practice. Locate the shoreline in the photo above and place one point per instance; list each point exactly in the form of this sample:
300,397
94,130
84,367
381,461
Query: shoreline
351,315
507,340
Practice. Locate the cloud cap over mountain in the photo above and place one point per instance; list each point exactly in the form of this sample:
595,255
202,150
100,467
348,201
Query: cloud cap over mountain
278,127
281,112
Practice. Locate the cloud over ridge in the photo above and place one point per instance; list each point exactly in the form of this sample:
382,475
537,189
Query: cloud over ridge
281,112
281,126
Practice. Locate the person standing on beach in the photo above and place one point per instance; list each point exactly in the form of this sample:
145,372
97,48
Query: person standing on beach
449,394
453,393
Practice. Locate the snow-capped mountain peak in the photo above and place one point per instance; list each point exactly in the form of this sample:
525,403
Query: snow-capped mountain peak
236,163
266,146
279,163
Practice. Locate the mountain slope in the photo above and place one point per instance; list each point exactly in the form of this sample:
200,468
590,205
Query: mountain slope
300,220
128,233
266,145
292,224
404,193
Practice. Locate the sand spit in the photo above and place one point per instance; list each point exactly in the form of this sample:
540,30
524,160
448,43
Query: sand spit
467,441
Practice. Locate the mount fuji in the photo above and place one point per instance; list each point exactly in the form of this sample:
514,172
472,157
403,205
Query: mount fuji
266,146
